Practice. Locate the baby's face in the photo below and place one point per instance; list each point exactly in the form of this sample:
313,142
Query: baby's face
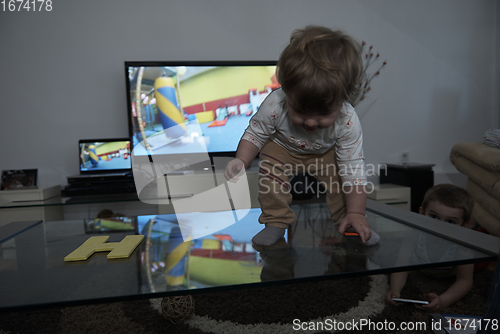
312,122
444,213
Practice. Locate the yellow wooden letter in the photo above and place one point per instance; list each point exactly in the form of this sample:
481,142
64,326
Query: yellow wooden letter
117,250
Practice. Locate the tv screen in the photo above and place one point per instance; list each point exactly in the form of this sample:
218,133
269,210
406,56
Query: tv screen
184,108
104,155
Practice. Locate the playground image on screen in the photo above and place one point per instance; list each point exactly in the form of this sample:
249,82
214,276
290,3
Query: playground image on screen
110,224
194,109
199,262
105,156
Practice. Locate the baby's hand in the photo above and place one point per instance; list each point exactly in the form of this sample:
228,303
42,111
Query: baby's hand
360,224
390,295
434,305
234,169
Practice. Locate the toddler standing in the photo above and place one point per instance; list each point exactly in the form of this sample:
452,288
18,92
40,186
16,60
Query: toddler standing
308,125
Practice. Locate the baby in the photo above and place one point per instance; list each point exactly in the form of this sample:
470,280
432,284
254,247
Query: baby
453,205
308,125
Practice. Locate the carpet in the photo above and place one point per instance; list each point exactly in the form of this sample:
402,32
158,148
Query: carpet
274,309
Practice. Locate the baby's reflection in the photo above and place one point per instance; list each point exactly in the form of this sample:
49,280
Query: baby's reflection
347,254
279,260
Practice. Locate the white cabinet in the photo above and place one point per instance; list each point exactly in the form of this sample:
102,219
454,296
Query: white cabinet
391,194
9,199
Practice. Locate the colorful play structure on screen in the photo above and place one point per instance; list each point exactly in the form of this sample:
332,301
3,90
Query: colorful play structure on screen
210,261
174,106
103,156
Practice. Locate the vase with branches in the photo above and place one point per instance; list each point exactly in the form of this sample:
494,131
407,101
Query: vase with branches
369,58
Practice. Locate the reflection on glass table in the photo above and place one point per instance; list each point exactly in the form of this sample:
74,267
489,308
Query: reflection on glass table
64,201
313,248
220,256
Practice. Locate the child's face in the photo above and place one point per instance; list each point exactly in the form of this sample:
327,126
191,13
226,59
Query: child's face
444,213
312,122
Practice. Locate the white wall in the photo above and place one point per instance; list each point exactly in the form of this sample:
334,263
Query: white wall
62,75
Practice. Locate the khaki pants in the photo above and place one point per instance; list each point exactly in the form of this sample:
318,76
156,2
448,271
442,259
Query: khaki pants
277,166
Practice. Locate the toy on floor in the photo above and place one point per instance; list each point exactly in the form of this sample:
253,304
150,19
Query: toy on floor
178,308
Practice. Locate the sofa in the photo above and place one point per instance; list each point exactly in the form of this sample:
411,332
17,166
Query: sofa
481,163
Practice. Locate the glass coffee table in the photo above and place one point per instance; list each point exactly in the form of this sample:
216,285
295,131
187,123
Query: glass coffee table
193,253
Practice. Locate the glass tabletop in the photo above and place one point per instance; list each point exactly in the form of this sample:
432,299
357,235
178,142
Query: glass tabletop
193,253
78,200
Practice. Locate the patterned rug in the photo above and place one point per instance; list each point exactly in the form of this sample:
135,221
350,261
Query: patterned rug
277,309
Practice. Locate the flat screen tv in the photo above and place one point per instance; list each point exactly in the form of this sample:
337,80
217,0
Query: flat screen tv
181,109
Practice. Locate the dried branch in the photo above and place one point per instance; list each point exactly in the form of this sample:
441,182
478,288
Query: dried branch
369,58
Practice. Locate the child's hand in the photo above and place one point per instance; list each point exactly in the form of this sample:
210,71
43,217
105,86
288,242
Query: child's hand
360,224
234,169
434,306
390,295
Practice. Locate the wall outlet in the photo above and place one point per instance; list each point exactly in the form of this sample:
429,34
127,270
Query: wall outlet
405,157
